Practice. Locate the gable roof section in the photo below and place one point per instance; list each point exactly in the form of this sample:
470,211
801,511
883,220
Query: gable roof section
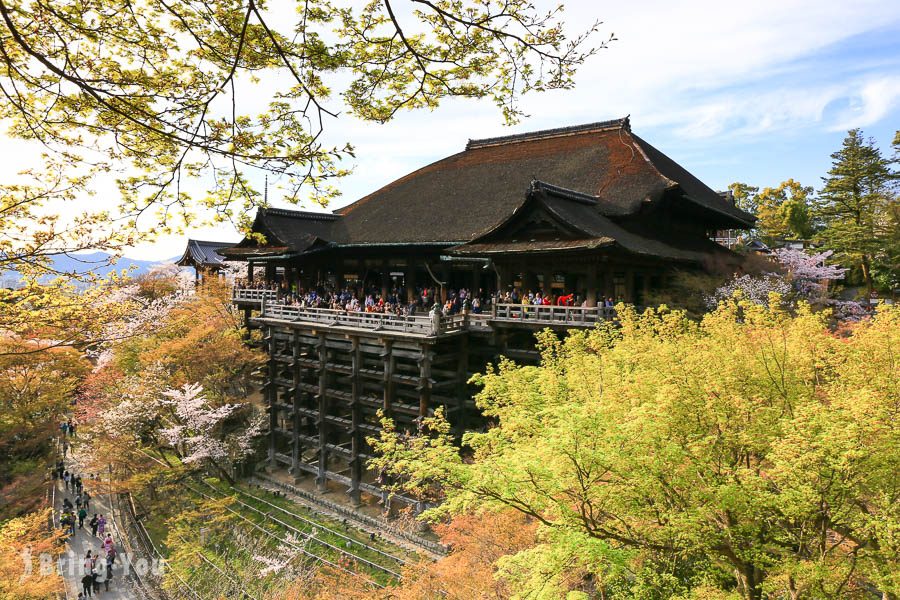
577,212
295,231
455,198
694,190
199,253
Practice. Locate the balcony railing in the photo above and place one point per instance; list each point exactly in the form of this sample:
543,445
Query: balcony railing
253,295
416,325
577,316
425,324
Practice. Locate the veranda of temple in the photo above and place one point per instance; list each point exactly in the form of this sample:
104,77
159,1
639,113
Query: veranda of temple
391,303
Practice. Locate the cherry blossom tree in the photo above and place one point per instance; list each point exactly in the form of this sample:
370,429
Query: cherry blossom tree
198,430
808,273
800,277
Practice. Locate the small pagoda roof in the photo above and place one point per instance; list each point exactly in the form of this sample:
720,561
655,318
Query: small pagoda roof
285,232
203,254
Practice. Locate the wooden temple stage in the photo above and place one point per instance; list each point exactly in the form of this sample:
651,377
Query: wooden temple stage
330,372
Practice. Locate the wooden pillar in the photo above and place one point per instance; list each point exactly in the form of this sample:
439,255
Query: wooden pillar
249,272
646,290
462,372
385,280
410,280
476,279
548,282
424,379
389,362
609,284
591,286
444,275
529,282
321,479
271,397
296,395
356,420
270,272
629,285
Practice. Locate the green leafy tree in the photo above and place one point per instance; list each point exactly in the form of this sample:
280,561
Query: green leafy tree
785,212
168,91
857,207
744,196
753,454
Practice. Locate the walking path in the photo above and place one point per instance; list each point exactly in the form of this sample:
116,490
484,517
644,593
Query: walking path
71,564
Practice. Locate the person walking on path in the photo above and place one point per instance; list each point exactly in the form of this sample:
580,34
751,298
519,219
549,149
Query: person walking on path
86,500
101,526
87,585
109,546
67,477
109,572
94,523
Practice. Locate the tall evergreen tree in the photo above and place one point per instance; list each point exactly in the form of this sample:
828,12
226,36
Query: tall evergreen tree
855,204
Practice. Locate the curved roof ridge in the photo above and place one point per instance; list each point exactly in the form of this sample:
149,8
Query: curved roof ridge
300,214
623,123
562,192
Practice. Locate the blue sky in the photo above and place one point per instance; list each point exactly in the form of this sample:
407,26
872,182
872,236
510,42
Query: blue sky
755,92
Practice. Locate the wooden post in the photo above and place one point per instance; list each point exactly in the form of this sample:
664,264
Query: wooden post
385,281
296,394
389,362
271,397
424,380
591,286
462,371
410,281
321,479
356,418
476,279
445,282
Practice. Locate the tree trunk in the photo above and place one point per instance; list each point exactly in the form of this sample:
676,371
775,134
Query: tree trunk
867,276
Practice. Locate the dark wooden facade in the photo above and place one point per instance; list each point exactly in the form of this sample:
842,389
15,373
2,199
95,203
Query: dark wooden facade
592,211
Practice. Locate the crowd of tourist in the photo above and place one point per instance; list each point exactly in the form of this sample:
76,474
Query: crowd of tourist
427,299
97,568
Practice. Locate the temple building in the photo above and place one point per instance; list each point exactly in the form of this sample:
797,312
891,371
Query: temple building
203,256
568,221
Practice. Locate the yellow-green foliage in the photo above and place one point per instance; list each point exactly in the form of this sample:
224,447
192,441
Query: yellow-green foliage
753,454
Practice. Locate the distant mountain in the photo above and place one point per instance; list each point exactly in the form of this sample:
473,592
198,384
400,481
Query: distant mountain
94,261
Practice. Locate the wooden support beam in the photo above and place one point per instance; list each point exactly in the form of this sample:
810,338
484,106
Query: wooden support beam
390,363
462,370
272,397
592,286
321,480
424,380
297,397
356,466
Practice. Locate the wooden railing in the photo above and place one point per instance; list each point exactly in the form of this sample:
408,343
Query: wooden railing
426,325
577,316
416,325
253,295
